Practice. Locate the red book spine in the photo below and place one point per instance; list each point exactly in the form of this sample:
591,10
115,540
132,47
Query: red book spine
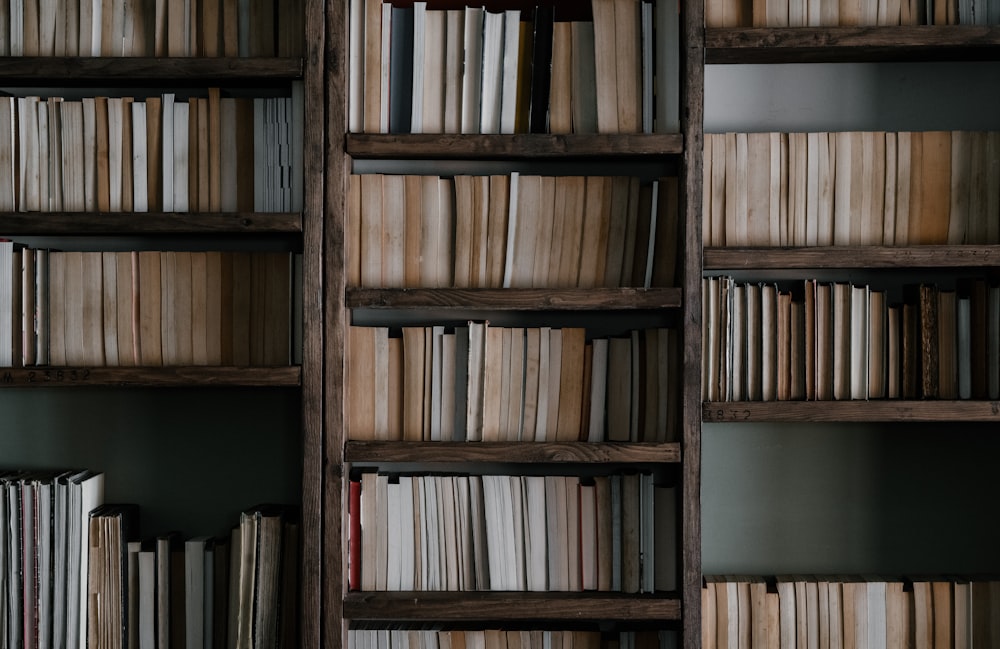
354,542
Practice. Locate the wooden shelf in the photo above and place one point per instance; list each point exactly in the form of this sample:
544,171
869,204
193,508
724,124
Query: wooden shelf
458,606
73,70
852,257
526,452
846,44
514,299
530,146
150,377
850,411
120,223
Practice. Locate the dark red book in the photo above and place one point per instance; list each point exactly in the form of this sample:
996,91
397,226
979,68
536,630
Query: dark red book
354,542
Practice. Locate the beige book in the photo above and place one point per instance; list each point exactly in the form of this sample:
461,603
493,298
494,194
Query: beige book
414,360
480,230
492,384
628,69
934,186
92,307
464,229
606,70
372,66
827,185
889,193
843,215
496,236
72,294
371,230
127,275
596,230
561,79
393,242
904,174
571,259
722,235
548,227
532,362
199,308
360,383
571,388
525,239
434,223
414,226
758,189
740,189
110,306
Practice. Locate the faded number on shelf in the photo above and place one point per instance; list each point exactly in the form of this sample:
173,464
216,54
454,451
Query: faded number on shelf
57,376
722,414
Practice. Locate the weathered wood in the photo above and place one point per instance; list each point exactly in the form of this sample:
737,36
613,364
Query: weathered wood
852,257
313,559
149,377
522,452
847,411
505,299
116,223
483,147
841,44
482,606
72,70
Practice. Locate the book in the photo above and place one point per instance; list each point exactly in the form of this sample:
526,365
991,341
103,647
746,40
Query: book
111,528
472,71
508,73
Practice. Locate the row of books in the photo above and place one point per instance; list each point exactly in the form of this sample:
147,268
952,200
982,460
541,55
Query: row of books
415,69
512,533
75,573
512,231
849,13
144,308
239,590
840,340
485,383
121,154
151,28
852,188
860,611
508,639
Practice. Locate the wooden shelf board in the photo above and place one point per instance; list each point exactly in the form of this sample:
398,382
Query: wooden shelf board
527,452
845,44
76,69
457,606
939,256
479,147
186,376
850,411
118,223
518,299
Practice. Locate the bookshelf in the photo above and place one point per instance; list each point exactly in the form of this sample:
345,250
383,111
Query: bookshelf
362,150
193,445
801,442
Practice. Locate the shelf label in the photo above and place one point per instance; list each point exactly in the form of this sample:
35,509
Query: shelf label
61,375
725,414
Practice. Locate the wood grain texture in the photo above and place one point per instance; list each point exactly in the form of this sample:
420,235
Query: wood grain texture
72,70
932,256
842,44
846,411
149,377
515,299
478,606
550,452
75,223
484,147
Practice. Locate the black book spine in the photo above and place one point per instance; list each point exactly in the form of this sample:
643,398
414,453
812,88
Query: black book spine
541,69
